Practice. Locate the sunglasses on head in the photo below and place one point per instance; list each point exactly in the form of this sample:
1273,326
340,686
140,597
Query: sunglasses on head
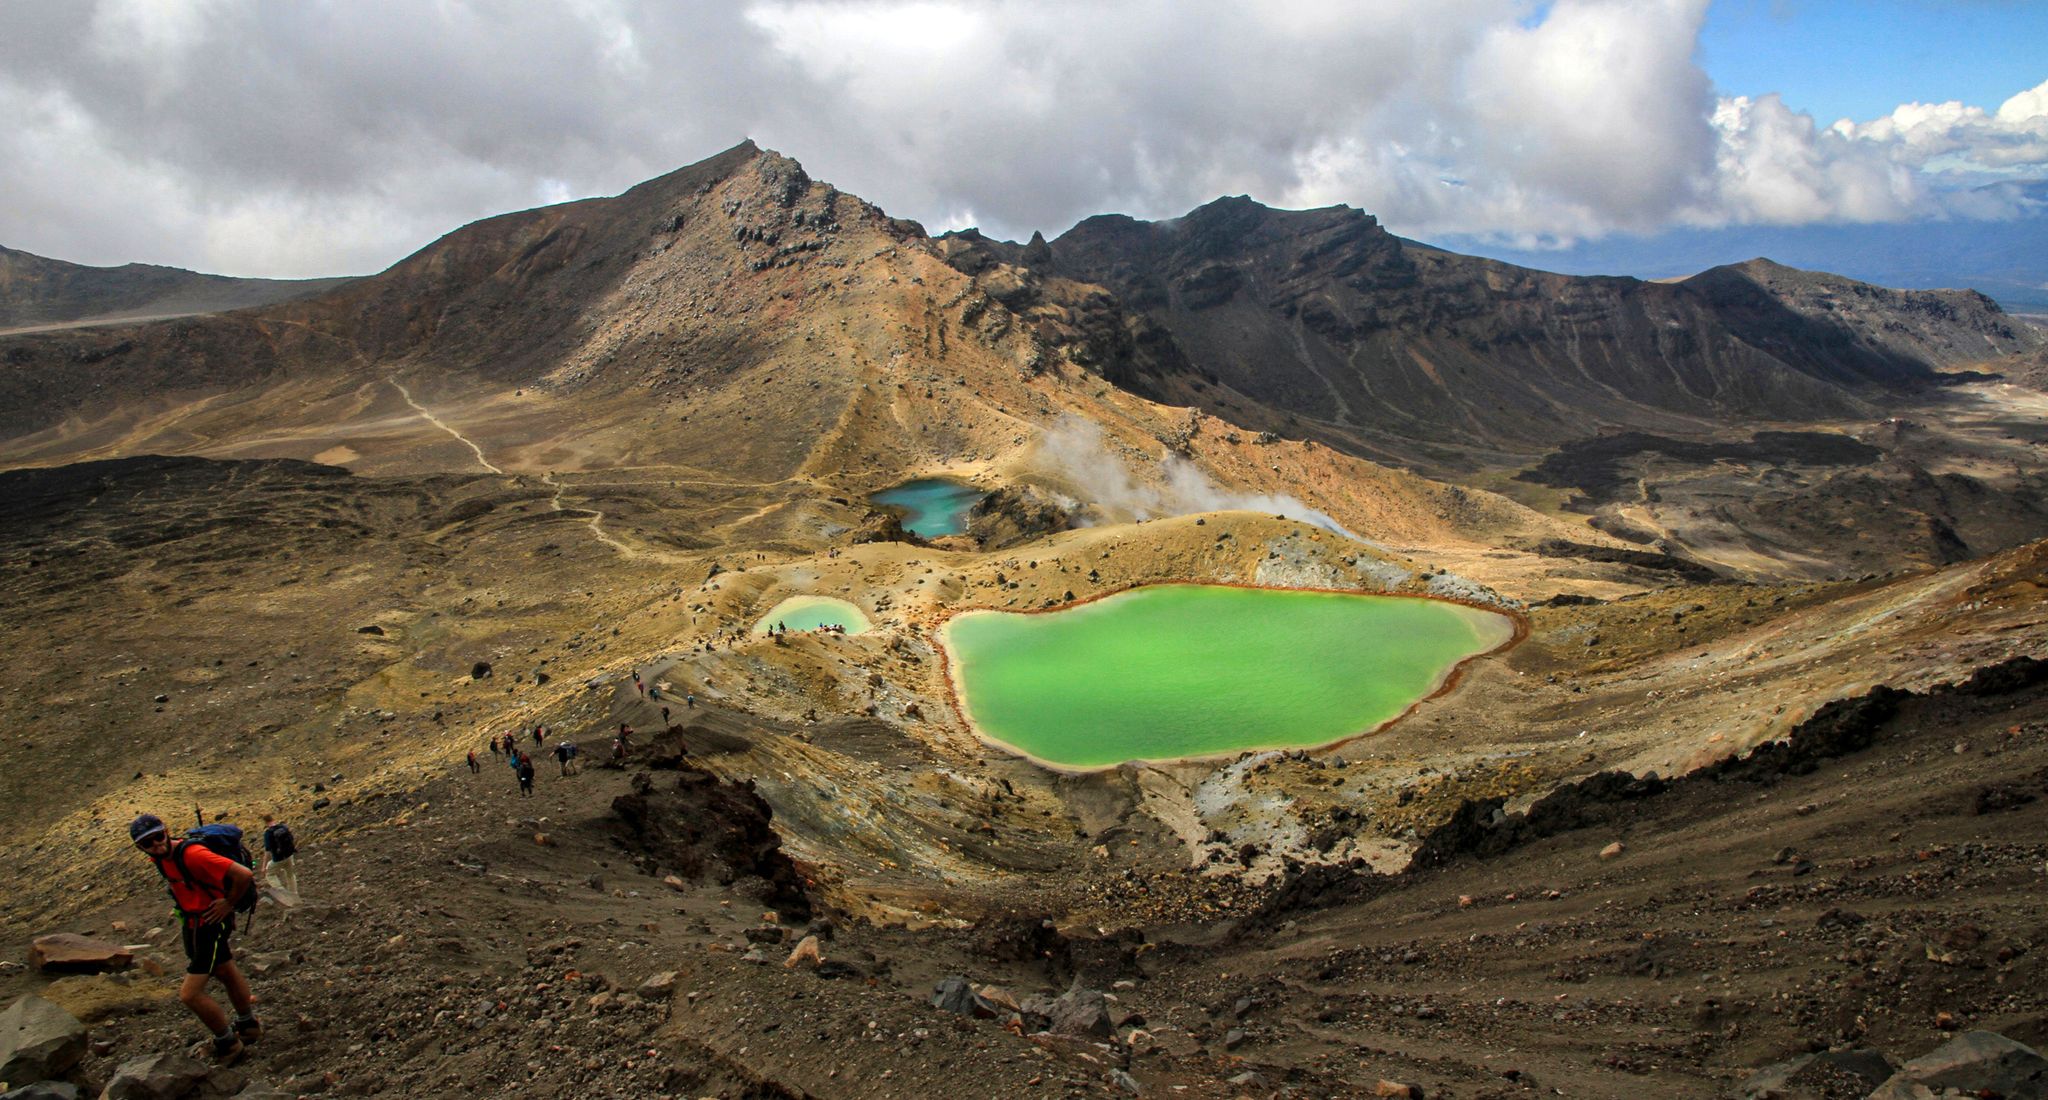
151,840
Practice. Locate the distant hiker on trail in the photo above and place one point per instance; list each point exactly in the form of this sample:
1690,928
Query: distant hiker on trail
638,687
525,776
494,744
618,749
664,716
473,766
562,755
690,700
538,733
205,885
654,692
280,849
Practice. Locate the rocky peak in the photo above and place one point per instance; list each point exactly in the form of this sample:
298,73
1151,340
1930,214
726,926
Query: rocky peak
784,180
1037,253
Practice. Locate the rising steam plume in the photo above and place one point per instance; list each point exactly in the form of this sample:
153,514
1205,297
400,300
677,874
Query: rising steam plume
1075,453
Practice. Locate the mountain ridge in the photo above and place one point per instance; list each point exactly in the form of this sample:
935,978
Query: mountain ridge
651,327
40,292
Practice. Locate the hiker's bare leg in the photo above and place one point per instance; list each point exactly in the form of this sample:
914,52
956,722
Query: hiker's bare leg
192,992
230,976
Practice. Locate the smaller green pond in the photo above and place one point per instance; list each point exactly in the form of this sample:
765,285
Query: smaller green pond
800,613
932,506
1186,670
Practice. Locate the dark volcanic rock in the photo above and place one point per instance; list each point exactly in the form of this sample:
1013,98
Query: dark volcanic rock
1850,1074
1596,468
1476,829
1017,514
1682,568
1081,1012
703,826
954,995
159,1077
1980,1063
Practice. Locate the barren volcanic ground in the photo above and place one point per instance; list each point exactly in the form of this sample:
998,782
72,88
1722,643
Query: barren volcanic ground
1768,772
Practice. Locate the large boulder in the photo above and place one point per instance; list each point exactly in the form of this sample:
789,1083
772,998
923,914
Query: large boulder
70,953
953,994
38,1040
1977,1062
1082,1012
1832,1073
158,1077
44,1090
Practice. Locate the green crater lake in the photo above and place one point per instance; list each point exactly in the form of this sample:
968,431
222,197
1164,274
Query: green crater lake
932,506
1186,670
811,612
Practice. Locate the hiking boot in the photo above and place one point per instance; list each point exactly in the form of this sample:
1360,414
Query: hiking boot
249,1030
227,1049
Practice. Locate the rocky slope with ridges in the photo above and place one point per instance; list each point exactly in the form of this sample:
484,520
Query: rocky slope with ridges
1325,315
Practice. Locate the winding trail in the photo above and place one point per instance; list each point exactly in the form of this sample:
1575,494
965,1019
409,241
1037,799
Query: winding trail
593,517
596,518
444,426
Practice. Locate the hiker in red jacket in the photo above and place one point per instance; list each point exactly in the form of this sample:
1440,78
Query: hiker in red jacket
205,886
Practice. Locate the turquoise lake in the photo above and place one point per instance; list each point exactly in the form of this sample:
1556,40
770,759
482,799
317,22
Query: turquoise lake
801,613
931,506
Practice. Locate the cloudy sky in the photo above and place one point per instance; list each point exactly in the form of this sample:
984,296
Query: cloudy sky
313,138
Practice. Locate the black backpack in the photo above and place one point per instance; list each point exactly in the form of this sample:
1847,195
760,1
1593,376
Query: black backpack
277,840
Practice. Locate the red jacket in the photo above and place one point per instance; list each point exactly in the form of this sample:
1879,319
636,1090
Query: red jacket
209,875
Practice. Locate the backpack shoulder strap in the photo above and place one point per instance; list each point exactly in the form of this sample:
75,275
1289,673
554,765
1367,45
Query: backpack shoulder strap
185,873
177,856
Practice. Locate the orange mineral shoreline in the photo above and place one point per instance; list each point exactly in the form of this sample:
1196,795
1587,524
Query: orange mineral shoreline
1518,621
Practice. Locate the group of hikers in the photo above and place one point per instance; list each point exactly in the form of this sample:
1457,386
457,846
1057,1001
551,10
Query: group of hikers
211,879
568,754
781,629
520,762
652,693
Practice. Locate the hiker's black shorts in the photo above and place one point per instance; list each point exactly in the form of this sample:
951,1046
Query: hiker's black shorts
206,946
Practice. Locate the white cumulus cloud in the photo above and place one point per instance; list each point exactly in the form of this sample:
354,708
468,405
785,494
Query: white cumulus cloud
319,138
